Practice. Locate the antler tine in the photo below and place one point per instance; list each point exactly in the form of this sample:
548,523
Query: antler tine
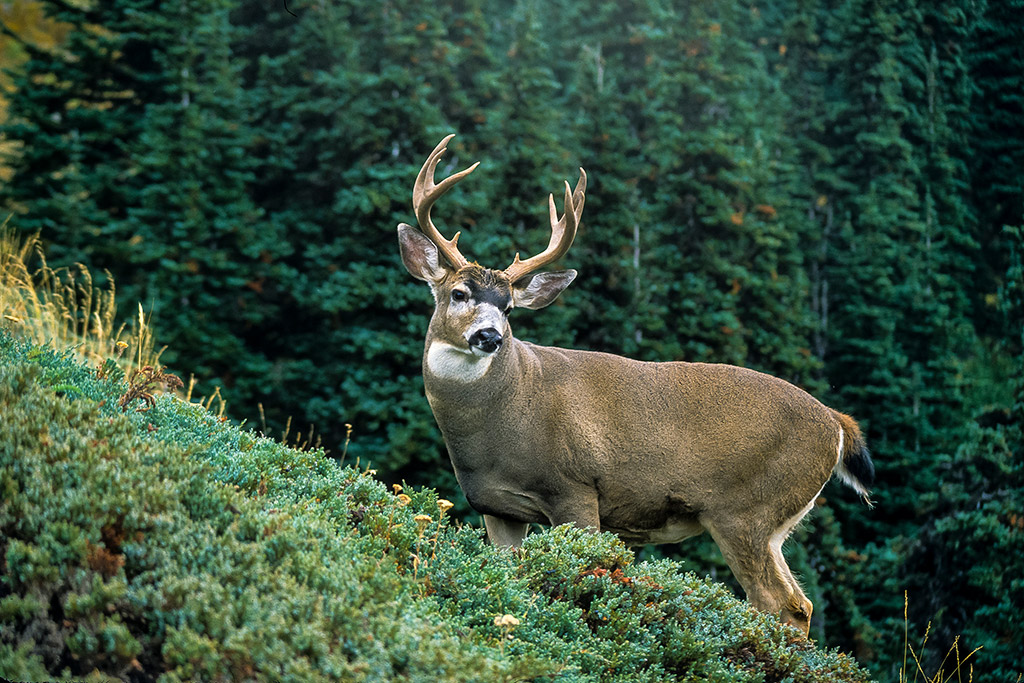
579,196
563,231
425,192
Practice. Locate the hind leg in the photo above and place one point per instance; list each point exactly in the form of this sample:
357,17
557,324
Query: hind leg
754,555
798,613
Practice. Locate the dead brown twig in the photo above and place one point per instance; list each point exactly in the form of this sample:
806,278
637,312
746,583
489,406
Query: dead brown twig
141,385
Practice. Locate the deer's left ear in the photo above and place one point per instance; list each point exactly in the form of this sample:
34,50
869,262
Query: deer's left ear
539,290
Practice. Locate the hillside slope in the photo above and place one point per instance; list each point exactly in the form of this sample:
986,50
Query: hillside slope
170,545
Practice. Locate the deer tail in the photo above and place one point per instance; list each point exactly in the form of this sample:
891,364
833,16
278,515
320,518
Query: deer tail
854,465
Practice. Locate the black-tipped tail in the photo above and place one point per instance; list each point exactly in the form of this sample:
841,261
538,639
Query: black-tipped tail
854,466
860,467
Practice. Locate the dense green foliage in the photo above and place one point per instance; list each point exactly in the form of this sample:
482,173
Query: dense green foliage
828,190
170,544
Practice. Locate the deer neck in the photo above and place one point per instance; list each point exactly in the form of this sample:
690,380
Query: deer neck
455,377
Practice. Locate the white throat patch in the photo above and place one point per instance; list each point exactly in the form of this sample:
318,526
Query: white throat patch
462,365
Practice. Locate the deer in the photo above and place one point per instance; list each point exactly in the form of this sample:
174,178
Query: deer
653,452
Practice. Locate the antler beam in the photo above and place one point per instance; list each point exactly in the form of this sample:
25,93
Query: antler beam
425,192
563,231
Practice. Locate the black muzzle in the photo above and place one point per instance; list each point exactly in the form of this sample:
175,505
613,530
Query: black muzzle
487,340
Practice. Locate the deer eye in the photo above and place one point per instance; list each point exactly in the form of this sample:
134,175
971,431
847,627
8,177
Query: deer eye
459,295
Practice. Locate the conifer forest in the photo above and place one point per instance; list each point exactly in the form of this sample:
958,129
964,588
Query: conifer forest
829,191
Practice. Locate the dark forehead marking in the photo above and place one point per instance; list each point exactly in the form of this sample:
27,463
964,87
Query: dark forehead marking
486,285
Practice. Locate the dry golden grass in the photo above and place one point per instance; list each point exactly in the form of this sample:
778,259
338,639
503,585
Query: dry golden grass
957,666
62,308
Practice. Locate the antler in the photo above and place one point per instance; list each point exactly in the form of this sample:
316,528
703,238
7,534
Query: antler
563,231
425,193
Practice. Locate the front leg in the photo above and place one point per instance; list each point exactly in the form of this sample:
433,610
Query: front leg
505,533
579,509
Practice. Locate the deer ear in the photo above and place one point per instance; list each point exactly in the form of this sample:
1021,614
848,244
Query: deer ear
419,255
539,290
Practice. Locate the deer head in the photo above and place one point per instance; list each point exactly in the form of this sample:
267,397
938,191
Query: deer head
472,302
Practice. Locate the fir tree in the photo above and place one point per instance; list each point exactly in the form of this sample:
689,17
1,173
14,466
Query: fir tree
996,59
899,319
71,106
134,162
352,101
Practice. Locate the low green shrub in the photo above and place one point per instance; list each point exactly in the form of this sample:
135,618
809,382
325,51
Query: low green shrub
168,544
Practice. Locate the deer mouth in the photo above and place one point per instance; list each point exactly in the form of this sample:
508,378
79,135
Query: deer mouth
484,350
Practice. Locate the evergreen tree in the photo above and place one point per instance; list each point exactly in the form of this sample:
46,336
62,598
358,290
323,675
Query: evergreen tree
352,100
528,153
996,59
612,295
972,546
204,265
899,320
135,163
71,106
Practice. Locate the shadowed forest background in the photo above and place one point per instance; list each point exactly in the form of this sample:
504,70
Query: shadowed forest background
831,191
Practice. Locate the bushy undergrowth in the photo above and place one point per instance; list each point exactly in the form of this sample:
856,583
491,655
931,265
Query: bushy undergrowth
171,545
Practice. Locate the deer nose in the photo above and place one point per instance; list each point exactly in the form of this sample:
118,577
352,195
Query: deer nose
487,339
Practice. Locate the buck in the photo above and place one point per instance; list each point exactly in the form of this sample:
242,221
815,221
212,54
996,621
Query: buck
653,452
